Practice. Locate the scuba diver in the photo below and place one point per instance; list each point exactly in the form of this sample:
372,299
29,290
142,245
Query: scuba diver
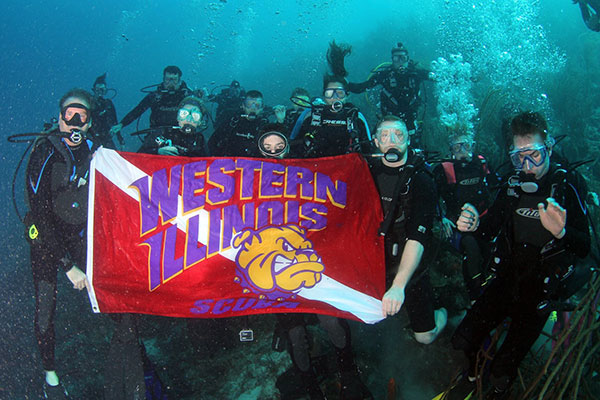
273,143
300,99
400,87
408,199
238,136
540,221
331,126
589,13
465,178
186,138
163,101
104,115
228,102
291,334
56,183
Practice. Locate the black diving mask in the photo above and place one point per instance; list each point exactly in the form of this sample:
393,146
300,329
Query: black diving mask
75,114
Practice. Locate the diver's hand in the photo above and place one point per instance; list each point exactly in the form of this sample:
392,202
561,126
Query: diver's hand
447,227
115,129
279,111
468,221
553,218
168,151
77,278
392,300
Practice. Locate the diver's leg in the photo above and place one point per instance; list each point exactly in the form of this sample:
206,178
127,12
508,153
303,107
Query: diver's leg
44,269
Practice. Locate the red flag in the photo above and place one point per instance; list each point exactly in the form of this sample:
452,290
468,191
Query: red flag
222,237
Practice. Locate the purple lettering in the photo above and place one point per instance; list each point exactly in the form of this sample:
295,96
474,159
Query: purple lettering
269,213
292,209
192,185
214,231
171,265
233,222
302,177
262,304
314,216
248,167
271,180
286,304
162,198
243,304
225,184
222,306
155,243
201,306
336,192
193,252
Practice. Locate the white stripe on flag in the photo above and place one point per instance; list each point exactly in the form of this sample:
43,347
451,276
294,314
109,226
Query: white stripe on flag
122,174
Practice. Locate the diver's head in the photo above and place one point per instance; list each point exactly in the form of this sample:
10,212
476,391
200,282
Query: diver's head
335,90
391,135
253,104
531,146
75,116
171,78
189,116
99,87
273,143
461,146
300,96
399,56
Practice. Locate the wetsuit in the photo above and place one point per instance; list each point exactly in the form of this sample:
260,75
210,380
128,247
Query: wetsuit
461,182
400,92
228,103
188,144
325,132
237,137
413,220
589,13
57,192
527,255
163,104
104,117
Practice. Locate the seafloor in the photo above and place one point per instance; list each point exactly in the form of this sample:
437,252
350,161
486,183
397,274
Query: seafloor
203,359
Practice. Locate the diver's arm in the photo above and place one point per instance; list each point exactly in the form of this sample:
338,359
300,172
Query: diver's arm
354,87
138,110
577,234
112,121
411,258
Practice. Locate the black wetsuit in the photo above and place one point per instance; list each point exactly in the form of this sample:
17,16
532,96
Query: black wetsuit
237,137
228,104
164,105
400,92
188,144
589,13
413,220
104,117
519,286
327,133
57,191
461,182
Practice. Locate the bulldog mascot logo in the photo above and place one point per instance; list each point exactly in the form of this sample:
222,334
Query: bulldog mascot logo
276,262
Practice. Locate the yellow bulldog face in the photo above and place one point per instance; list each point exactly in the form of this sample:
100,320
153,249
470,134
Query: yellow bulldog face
278,259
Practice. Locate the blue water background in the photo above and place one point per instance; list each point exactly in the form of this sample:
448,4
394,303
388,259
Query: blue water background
49,47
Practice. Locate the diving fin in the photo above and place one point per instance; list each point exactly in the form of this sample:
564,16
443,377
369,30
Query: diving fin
461,388
58,392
